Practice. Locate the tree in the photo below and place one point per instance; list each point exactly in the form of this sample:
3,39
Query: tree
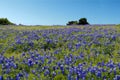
83,21
5,21
72,23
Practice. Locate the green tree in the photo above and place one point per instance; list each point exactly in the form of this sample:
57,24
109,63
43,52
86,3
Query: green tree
72,23
83,21
5,21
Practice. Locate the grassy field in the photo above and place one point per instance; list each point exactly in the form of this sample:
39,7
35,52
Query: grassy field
60,52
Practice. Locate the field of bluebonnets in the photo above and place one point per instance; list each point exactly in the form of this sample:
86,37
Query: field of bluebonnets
60,53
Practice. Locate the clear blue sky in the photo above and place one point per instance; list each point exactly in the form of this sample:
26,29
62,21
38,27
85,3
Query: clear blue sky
56,12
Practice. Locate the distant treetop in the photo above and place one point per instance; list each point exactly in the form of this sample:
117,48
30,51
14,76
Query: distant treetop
5,21
82,21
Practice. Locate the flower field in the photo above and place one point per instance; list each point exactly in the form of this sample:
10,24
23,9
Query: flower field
60,53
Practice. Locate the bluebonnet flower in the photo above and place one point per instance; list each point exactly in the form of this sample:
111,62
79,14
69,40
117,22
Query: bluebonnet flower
30,63
26,75
69,77
114,71
70,46
42,59
75,70
58,63
111,64
102,63
77,78
62,67
7,65
17,78
23,54
1,78
81,55
33,71
15,66
92,70
49,62
113,37
119,66
54,74
78,75
56,52
18,41
78,45
70,70
20,75
98,74
67,61
46,72
9,78
117,77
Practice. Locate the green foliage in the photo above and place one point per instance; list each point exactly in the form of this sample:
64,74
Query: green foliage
72,23
82,21
5,21
60,77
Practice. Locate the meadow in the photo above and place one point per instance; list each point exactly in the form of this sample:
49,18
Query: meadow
60,52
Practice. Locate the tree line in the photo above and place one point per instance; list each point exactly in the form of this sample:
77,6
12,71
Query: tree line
82,21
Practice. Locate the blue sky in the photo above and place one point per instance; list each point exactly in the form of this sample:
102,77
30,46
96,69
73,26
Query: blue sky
59,12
